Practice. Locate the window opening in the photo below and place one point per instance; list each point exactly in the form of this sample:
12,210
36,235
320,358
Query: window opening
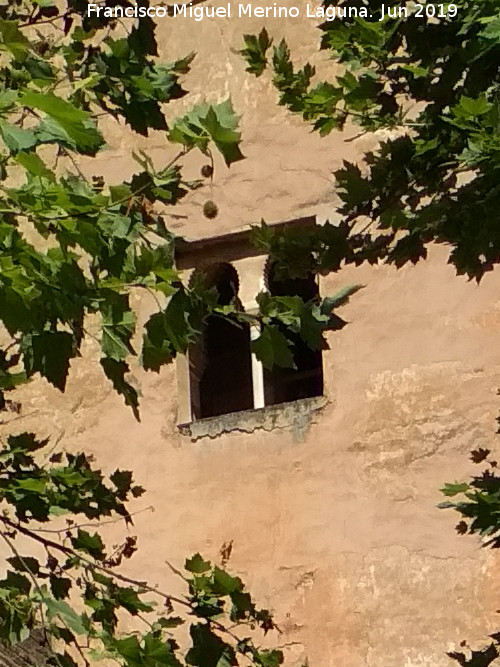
220,367
306,380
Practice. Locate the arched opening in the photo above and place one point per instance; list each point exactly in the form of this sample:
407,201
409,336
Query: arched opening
220,364
306,380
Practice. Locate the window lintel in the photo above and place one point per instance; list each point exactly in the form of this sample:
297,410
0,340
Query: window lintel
228,247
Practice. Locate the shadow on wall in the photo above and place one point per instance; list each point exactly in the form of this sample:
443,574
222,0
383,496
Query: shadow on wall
483,658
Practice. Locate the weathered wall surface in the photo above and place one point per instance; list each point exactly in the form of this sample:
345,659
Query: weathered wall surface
334,522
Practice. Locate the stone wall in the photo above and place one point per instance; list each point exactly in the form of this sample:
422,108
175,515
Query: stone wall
333,517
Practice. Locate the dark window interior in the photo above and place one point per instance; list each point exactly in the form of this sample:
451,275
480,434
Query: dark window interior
220,364
287,384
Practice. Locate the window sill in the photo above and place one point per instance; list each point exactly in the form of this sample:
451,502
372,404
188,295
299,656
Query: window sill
296,415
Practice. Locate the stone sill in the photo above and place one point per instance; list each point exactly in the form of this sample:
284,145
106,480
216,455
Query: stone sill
295,415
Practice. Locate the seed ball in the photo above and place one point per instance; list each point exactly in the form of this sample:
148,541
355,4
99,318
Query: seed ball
207,170
210,209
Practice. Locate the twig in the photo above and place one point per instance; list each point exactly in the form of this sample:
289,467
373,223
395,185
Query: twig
48,543
78,648
74,163
90,525
71,552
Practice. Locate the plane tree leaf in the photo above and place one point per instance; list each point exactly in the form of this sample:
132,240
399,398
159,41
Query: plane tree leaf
210,123
273,348
13,39
255,50
66,123
17,138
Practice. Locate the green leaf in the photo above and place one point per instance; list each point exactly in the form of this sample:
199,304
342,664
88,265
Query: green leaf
54,510
8,98
90,544
44,4
205,123
117,226
269,658
16,138
156,347
118,324
62,610
208,649
340,298
243,607
34,165
32,484
157,652
13,40
225,138
130,600
272,348
224,583
197,565
446,505
119,193
171,331
254,53
474,107
492,30
129,648
455,489
417,71
66,123
12,380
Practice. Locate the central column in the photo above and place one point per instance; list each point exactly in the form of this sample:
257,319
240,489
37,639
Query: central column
251,274
257,372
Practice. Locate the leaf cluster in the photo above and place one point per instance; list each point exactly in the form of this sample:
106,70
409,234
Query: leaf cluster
38,492
95,242
41,591
477,501
434,83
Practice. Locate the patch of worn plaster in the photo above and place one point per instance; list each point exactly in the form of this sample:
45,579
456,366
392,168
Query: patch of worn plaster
416,413
296,416
416,390
394,589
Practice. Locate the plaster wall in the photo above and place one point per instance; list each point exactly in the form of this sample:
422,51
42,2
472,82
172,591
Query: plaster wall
333,518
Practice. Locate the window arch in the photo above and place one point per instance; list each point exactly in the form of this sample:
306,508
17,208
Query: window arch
220,369
306,380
